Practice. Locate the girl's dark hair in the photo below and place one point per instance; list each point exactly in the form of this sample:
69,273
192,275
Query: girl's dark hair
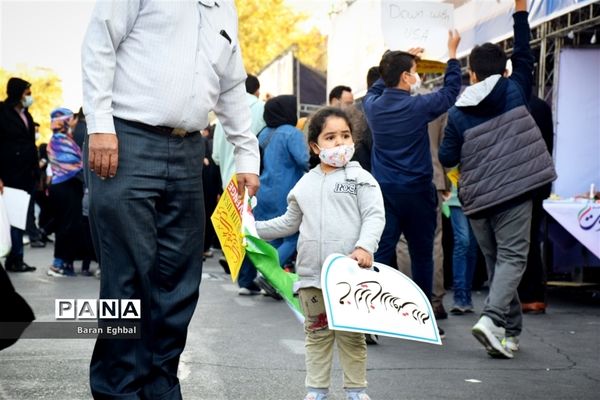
317,122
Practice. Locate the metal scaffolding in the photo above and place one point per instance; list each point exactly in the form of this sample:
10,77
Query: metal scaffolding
573,29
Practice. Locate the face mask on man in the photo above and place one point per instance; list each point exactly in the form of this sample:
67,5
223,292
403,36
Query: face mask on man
27,101
414,87
337,156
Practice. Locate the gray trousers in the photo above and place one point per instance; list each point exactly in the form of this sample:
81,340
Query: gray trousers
504,242
147,225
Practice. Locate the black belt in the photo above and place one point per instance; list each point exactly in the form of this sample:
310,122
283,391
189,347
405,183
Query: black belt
163,130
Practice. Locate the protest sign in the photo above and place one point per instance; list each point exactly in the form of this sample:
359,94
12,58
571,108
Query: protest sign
380,301
227,222
408,24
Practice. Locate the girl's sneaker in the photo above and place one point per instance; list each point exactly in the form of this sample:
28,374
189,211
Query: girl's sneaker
315,396
354,395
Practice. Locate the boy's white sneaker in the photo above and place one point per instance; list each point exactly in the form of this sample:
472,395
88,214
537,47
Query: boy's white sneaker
511,343
491,336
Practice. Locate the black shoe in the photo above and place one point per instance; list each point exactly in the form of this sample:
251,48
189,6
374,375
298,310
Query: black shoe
37,243
440,312
371,339
19,266
46,239
225,266
266,286
442,333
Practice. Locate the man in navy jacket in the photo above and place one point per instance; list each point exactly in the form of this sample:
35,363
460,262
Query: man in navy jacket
401,157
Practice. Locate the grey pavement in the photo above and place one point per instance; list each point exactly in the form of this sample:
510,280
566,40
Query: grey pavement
251,348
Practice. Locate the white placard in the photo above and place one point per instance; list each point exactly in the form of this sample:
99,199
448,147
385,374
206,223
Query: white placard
17,204
408,24
380,301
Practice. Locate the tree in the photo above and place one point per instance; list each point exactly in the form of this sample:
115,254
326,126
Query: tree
269,27
46,91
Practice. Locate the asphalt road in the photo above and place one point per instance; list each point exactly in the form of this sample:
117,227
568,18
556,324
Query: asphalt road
252,348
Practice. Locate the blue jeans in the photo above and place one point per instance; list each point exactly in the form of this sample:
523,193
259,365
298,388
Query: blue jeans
464,257
285,248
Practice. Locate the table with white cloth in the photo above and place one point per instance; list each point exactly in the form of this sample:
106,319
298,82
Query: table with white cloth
581,218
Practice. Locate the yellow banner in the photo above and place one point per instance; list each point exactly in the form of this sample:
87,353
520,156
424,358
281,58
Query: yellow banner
430,67
227,222
454,176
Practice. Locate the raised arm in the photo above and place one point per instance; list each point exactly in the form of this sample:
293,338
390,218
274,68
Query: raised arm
522,58
520,5
440,101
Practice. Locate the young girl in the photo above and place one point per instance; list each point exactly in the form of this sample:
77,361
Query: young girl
338,208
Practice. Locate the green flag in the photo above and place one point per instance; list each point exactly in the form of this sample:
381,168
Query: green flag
266,260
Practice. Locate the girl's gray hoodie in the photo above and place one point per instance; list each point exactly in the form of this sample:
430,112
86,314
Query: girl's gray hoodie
335,213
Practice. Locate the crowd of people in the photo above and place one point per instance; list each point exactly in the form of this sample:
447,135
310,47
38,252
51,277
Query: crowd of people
366,178
52,174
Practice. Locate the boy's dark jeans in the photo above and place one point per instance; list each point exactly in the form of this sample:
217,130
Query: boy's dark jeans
413,214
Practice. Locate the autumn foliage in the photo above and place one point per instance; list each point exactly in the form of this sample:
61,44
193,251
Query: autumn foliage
46,90
269,27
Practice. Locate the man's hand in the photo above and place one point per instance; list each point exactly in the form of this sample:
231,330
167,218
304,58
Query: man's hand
1,187
520,5
417,52
453,41
249,182
364,258
104,154
446,194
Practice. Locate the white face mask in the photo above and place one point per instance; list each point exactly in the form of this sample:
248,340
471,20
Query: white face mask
27,101
337,156
414,87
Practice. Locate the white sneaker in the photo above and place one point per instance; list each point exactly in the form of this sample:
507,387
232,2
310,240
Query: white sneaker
511,343
54,271
362,395
315,396
491,336
247,292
